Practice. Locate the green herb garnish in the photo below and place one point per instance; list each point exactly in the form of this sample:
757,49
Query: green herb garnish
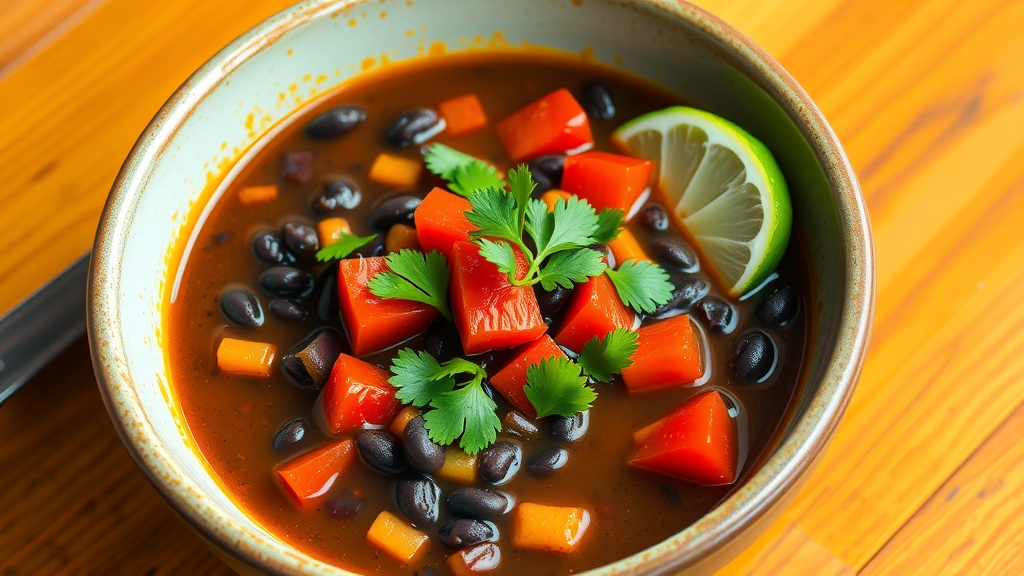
415,276
457,408
641,285
602,358
464,173
557,386
344,246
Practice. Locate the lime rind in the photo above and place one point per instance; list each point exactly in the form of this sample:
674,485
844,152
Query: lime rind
718,168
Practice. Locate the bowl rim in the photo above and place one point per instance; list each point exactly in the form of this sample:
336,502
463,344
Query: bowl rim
778,475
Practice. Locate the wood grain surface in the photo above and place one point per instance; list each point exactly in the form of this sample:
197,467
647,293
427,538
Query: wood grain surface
926,471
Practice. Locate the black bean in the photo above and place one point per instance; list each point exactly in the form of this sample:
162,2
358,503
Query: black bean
779,305
382,451
374,248
597,101
519,424
290,434
327,297
718,315
547,171
337,193
569,429
466,532
442,342
422,453
550,301
242,308
414,127
268,249
418,497
297,166
300,239
676,254
685,294
547,462
482,558
308,364
499,463
754,358
479,503
606,251
654,218
286,282
393,210
335,122
344,505
288,310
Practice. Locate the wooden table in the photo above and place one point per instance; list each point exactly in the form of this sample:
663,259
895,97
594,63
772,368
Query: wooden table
926,473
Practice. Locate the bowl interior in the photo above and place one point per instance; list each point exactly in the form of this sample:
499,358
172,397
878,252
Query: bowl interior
259,81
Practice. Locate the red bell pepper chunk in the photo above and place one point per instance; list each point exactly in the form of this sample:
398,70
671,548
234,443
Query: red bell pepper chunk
553,124
490,312
373,323
668,353
309,476
595,310
357,394
441,221
696,443
606,180
511,379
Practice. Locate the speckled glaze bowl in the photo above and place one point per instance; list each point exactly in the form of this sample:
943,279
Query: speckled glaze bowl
262,78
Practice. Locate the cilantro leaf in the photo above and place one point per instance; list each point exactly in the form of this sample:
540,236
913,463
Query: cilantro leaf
521,186
344,246
500,254
464,173
641,285
474,176
609,225
602,358
494,214
457,366
571,225
556,386
416,376
568,267
467,411
415,276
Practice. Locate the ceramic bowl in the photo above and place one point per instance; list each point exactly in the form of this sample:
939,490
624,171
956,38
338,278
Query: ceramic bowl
305,51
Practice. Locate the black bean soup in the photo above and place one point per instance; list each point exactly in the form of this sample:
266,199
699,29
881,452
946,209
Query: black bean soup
253,277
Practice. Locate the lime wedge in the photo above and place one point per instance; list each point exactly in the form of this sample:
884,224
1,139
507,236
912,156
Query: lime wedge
722,184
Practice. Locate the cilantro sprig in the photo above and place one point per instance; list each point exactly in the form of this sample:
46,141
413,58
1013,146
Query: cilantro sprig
602,358
557,386
345,245
641,285
464,173
457,408
561,239
415,276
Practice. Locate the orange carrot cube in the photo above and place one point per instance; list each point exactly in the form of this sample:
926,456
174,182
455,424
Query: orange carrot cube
245,358
548,528
463,114
399,540
395,171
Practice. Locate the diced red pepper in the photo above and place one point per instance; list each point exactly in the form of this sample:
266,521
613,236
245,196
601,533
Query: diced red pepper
309,476
606,180
356,394
555,123
696,443
595,310
373,323
489,311
441,221
668,353
511,379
